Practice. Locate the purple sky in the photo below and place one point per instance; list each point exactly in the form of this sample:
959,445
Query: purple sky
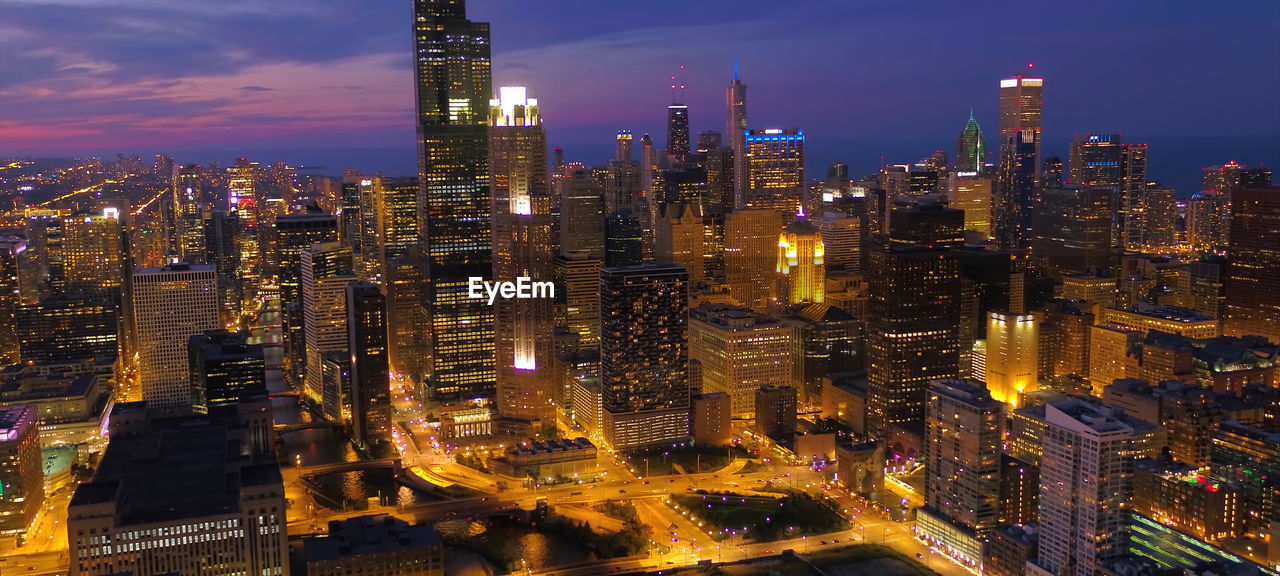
145,76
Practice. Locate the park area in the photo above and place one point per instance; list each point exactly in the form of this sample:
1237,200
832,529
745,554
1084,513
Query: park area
760,516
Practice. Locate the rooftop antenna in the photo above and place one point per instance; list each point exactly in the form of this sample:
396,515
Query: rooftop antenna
735,68
677,82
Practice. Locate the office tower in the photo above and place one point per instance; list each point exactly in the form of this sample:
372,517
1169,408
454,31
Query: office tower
243,202
1095,290
366,309
582,215
95,252
325,272
577,281
720,180
522,223
1086,487
825,340
708,140
963,433
913,314
1096,160
1208,218
1160,220
801,273
1113,354
1051,172
774,162
1253,276
841,242
971,149
170,305
1229,177
394,201
1132,195
405,323
1012,356
739,352
62,328
686,184
1248,454
188,215
751,255
678,132
644,354
713,246
349,213
1146,317
1009,549
11,257
293,233
735,103
453,89
1021,102
362,543
623,242
224,368
711,419
1019,493
42,273
775,411
972,194
369,244
169,497
622,186
679,239
1205,286
221,230
623,149
1073,230
21,471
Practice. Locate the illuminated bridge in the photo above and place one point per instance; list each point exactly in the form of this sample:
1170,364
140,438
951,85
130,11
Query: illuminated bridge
392,464
314,425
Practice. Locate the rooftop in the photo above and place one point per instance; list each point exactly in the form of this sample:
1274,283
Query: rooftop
368,536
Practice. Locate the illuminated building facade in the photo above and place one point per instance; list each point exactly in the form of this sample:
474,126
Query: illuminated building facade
170,305
394,201
293,234
220,231
801,273
711,419
972,194
678,131
244,203
963,432
366,310
739,351
1113,354
841,242
679,239
751,255
522,225
735,103
11,256
1073,230
775,411
1208,220
1160,220
1253,280
577,281
453,88
1095,160
94,250
644,354
971,149
1180,496
326,270
1170,319
623,239
21,473
1013,357
62,328
775,170
1248,455
1021,103
188,215
1131,217
224,367
582,215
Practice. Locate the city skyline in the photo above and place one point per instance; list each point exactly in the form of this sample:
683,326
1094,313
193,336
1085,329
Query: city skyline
242,85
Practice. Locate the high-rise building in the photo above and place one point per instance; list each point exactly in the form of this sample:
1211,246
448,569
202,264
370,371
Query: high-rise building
62,329
678,132
1096,160
326,270
522,225
711,419
366,310
1159,220
188,215
801,273
394,202
11,264
220,232
1051,172
1086,487
972,194
775,411
841,242
453,87
1208,219
582,215
913,313
349,213
95,253
245,205
740,352
964,428
774,162
1131,214
170,305
679,239
1021,103
971,149
1073,230
292,234
577,281
1113,352
644,354
21,471
623,240
1013,358
1253,275
735,103
751,255
170,497
224,367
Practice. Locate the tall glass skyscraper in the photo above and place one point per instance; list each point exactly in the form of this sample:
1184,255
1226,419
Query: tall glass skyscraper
971,149
1021,103
453,85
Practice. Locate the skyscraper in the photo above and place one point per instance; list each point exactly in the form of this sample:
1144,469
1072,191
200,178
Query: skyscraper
971,149
582,215
244,203
913,313
623,240
224,367
366,310
963,433
751,255
623,150
326,270
21,473
735,102
740,351
170,305
521,209
1253,275
11,249
453,87
1132,197
1021,102
1012,356
1073,230
577,280
679,239
972,194
1095,160
801,273
678,132
293,234
644,354
774,160
188,215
